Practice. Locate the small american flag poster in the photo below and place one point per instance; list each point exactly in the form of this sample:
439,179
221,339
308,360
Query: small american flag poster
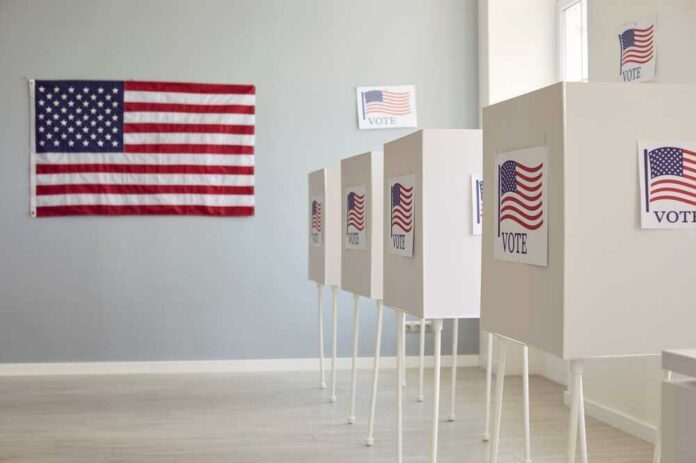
521,219
316,220
638,52
355,224
667,175
476,204
387,107
402,215
103,147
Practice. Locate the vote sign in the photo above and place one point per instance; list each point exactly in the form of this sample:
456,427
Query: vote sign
316,220
667,176
355,222
521,183
402,216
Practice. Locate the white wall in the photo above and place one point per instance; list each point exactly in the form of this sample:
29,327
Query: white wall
675,37
188,288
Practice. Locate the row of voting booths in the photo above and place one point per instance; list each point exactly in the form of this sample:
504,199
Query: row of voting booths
587,242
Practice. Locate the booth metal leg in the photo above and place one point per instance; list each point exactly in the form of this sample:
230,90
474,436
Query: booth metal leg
437,350
334,304
525,393
421,366
657,456
499,385
489,374
453,387
375,376
577,418
320,304
356,324
403,348
400,358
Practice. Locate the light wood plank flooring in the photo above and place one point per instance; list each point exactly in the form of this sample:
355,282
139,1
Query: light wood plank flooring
273,417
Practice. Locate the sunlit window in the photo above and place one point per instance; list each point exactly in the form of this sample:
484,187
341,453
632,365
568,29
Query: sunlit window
572,40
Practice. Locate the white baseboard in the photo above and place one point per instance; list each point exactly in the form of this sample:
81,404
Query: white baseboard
617,419
213,366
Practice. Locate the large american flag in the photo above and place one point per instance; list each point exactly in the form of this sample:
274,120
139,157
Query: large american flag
355,211
636,45
401,208
389,103
115,147
520,198
672,176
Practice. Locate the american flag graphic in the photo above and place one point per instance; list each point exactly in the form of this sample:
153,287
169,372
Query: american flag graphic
316,216
479,196
636,45
115,147
401,208
389,103
520,198
672,175
355,211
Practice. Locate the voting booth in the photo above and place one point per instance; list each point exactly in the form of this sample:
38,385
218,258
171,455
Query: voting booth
572,263
432,254
324,252
678,411
361,230
361,253
432,259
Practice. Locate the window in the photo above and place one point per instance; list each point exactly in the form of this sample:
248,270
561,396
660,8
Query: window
572,40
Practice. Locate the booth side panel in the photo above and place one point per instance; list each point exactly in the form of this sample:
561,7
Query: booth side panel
452,257
333,226
403,283
376,225
628,290
525,302
355,263
316,268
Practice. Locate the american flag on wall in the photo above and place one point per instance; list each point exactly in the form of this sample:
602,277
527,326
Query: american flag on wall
672,175
520,194
636,45
143,148
386,102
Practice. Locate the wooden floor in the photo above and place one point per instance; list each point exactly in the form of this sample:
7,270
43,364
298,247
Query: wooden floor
272,417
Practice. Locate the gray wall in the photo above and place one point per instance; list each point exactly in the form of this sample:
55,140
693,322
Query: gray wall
156,288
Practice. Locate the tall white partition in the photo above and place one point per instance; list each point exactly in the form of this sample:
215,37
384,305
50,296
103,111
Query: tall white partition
441,279
324,226
566,266
324,252
610,288
432,258
362,223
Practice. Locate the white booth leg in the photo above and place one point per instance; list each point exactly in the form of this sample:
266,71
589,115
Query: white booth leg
375,376
421,365
455,349
489,372
499,385
525,393
437,350
400,358
356,324
403,348
320,304
657,456
577,407
334,329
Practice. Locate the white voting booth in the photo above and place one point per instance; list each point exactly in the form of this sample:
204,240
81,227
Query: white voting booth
361,248
324,240
567,267
431,256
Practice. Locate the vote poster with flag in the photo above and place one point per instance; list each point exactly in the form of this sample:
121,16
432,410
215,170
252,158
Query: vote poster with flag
103,147
521,183
316,220
476,204
402,216
355,230
638,52
387,107
667,178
